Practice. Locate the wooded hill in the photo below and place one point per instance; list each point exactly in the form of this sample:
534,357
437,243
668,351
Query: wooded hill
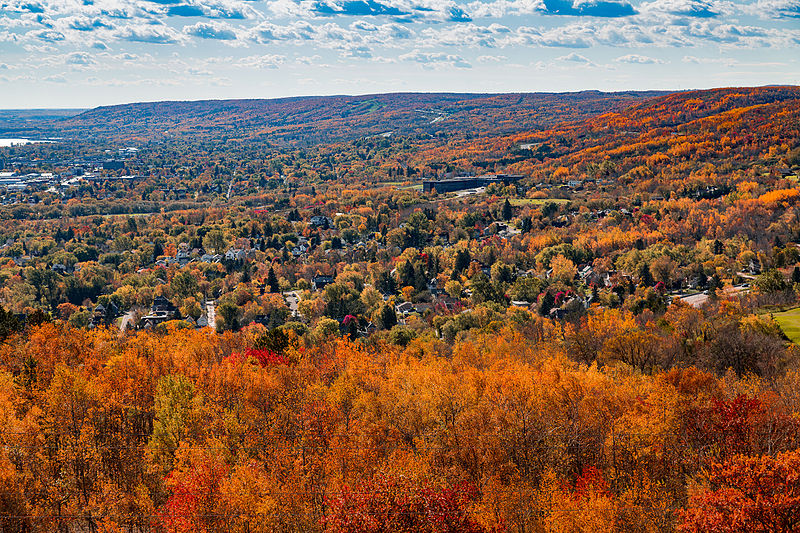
329,118
664,137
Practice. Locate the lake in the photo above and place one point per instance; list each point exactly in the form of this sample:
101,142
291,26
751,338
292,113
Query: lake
4,143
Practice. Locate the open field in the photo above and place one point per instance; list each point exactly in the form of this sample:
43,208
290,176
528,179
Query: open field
517,202
789,322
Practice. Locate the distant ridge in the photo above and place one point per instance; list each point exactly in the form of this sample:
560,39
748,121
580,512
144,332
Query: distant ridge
725,126
310,119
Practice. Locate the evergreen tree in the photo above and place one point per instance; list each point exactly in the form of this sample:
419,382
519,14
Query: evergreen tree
420,280
547,303
385,283
507,211
702,279
388,317
272,281
645,277
8,324
407,275
462,261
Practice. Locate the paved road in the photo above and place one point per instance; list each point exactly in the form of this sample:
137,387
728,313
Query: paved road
211,314
697,300
293,301
127,319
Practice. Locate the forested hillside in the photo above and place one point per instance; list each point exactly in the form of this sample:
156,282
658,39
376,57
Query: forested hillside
505,430
320,119
678,134
263,333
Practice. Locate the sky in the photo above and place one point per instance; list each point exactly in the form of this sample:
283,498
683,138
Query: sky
87,53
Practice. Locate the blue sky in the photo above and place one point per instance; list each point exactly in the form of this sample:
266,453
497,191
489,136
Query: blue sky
84,53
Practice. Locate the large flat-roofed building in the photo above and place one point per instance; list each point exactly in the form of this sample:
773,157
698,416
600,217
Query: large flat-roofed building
468,182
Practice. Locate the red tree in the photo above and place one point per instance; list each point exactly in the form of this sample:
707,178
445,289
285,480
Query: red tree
388,503
754,494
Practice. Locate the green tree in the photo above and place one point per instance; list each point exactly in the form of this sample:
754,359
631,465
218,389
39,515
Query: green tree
230,317
215,241
770,282
184,284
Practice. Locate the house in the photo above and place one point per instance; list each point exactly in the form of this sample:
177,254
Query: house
183,256
319,282
433,287
321,222
102,314
236,254
443,302
59,268
404,309
161,311
422,307
208,258
299,250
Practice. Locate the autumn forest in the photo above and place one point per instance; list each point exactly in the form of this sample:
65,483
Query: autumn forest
440,313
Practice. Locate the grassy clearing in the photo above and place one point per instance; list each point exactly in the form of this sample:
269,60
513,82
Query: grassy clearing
517,202
789,321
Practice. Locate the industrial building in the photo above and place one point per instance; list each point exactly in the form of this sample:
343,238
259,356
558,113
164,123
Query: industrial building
468,182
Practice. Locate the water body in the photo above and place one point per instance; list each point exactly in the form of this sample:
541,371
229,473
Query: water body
4,143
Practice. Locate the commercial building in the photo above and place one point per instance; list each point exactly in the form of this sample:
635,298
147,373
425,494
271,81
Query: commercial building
468,182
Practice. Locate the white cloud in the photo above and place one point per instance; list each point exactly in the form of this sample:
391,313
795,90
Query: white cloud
432,59
709,60
211,30
55,78
491,59
638,59
269,61
575,58
687,8
778,9
149,34
81,59
45,36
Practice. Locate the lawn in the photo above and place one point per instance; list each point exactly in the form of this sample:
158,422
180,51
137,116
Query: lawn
516,202
789,321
